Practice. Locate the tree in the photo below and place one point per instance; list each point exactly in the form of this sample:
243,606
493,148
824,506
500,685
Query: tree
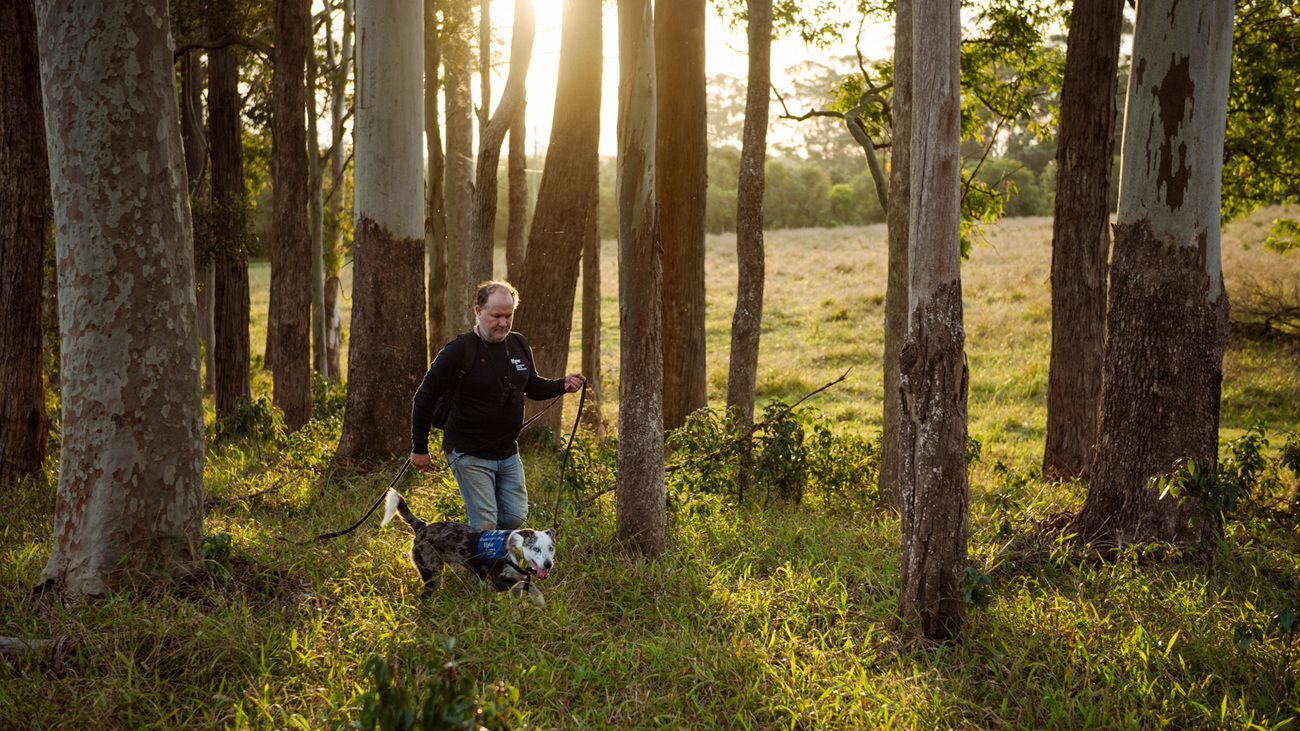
897,203
232,381
747,319
1081,235
435,229
23,192
387,355
196,157
492,133
130,495
681,159
1167,314
459,188
933,483
517,179
641,516
341,64
289,329
566,198
316,219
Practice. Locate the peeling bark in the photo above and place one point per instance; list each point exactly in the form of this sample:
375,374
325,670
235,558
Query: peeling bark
131,465
642,520
1167,319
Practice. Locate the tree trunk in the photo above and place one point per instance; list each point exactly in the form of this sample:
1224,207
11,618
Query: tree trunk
333,253
1167,319
566,200
435,226
591,414
491,135
933,483
231,295
387,355
130,495
896,297
196,154
459,189
641,500
747,319
290,324
24,189
315,223
1081,235
517,179
681,158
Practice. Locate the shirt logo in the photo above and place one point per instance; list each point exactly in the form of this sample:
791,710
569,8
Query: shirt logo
519,364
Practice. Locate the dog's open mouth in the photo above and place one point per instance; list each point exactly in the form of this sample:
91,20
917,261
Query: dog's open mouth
541,572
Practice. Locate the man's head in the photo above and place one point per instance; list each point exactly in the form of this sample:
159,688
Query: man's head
494,307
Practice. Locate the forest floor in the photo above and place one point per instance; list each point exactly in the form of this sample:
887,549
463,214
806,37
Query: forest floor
764,615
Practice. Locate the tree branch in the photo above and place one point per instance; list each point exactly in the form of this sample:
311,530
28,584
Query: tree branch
231,40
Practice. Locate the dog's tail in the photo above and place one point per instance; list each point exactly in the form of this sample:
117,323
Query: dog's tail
395,504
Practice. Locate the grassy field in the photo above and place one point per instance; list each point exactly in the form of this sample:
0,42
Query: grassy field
763,616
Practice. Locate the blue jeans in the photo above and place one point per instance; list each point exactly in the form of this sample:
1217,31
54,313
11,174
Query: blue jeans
493,490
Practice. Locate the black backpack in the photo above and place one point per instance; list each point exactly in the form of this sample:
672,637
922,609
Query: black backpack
442,407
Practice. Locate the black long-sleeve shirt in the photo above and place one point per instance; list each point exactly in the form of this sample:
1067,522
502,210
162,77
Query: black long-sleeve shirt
480,423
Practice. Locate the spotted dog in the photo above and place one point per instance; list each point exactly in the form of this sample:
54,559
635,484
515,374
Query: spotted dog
503,559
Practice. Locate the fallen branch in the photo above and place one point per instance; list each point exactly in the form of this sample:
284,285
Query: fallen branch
749,433
11,648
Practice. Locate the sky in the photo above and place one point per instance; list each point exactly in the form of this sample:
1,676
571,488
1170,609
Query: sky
725,53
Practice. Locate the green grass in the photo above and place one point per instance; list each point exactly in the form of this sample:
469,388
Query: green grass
760,616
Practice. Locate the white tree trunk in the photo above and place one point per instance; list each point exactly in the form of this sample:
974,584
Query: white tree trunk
130,494
387,354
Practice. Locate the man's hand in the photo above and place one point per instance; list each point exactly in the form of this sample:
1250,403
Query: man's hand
573,382
420,461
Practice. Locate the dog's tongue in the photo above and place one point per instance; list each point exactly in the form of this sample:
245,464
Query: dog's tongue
541,572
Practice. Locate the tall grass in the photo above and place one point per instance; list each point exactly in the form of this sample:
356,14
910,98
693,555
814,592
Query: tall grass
763,616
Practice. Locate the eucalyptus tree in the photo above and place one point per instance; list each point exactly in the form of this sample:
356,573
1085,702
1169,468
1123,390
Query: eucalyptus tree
340,59
458,191
933,483
517,197
130,494
681,158
24,188
641,507
1167,314
435,228
289,325
566,199
1081,234
386,357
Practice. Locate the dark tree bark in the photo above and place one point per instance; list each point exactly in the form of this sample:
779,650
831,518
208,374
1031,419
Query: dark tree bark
435,224
517,179
591,414
230,263
130,496
933,483
386,357
566,199
1167,319
24,188
747,319
316,224
681,159
290,323
459,189
641,516
900,198
492,133
1081,235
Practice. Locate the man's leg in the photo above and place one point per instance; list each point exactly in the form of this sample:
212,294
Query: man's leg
511,494
477,480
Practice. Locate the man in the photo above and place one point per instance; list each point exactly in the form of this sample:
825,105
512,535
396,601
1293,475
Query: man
486,412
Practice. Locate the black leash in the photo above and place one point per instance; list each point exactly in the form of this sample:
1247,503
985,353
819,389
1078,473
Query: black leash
345,531
559,490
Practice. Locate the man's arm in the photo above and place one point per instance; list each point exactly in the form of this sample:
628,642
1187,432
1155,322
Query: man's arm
440,378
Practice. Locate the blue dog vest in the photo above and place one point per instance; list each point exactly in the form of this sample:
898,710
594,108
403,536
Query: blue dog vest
492,544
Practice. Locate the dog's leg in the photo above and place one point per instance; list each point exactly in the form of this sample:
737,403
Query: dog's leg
517,591
429,564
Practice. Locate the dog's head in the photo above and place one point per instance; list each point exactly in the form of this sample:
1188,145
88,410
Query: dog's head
537,548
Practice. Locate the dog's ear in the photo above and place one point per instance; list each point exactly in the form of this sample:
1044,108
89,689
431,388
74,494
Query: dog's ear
553,533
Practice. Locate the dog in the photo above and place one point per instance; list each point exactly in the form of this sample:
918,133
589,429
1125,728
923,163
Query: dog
502,559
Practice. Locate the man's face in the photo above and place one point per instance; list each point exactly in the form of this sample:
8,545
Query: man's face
496,317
